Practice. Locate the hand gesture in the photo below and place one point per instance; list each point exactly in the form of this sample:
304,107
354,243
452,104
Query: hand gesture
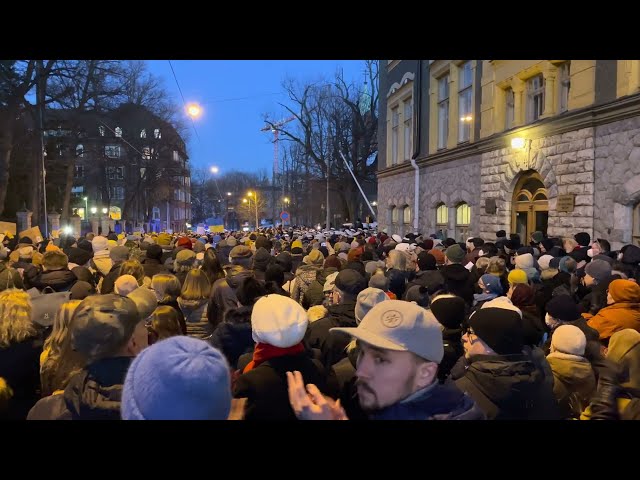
309,403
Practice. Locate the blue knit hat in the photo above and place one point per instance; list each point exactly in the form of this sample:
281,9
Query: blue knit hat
492,283
180,378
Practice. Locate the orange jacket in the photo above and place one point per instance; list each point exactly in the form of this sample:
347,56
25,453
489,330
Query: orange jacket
615,317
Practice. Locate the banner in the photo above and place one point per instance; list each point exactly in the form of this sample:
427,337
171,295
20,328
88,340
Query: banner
33,233
216,228
200,230
8,228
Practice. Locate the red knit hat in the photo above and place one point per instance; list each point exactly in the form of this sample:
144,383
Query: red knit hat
185,242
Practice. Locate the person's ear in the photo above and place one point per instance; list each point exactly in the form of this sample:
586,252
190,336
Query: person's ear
425,374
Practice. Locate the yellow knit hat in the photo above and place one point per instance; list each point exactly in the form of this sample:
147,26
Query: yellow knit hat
517,276
296,243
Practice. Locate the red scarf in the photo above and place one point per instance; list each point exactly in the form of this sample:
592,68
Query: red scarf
264,352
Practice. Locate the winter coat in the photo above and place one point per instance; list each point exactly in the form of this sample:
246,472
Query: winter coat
233,336
77,255
453,350
305,276
20,367
266,390
431,279
574,382
94,393
195,315
458,281
332,345
508,387
435,402
591,334
615,317
397,281
102,262
315,293
109,280
9,278
153,267
223,293
59,280
28,271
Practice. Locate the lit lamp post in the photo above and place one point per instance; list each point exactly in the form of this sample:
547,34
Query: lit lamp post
86,209
255,201
286,207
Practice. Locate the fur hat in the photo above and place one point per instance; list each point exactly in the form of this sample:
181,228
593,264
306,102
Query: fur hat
568,339
180,378
278,321
314,258
125,284
543,262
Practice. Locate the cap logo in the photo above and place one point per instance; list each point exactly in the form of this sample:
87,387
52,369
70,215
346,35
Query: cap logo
391,319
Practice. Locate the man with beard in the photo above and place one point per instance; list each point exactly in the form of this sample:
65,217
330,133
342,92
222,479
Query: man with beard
400,349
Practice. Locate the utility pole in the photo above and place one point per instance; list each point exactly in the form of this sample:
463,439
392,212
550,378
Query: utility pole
328,174
40,91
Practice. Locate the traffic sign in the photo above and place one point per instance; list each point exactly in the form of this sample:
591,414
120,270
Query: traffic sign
284,216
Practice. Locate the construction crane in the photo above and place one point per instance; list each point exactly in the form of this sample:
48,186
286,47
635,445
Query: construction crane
275,131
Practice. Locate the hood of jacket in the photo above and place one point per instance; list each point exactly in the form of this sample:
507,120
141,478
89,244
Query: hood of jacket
59,280
572,370
236,274
455,272
189,306
322,275
96,392
435,402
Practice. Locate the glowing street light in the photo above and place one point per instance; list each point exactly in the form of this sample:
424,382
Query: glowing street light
214,170
94,209
105,210
228,194
194,110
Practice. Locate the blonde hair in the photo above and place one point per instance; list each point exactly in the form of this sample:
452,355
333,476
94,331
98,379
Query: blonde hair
166,286
482,263
316,313
15,317
62,362
165,322
497,266
571,241
134,268
196,285
398,260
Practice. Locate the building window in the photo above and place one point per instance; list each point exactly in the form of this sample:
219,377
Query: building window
78,190
408,129
78,171
143,133
146,153
176,214
156,213
101,130
116,193
443,111
564,81
176,157
510,103
395,215
535,96
115,173
463,219
157,134
395,120
465,82
112,151
442,218
79,151
118,132
406,213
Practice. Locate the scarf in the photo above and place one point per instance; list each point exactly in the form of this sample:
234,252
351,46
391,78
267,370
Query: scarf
263,352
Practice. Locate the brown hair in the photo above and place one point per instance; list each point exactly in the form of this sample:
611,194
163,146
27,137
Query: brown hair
165,322
196,285
132,267
166,286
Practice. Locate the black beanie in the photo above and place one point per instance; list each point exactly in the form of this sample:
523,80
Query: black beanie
500,329
547,243
426,261
583,239
450,311
562,307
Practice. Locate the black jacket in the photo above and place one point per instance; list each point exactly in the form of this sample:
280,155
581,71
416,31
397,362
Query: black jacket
153,267
266,390
59,280
431,279
20,367
28,271
511,387
77,255
93,394
315,293
223,293
332,345
108,282
458,281
397,281
233,336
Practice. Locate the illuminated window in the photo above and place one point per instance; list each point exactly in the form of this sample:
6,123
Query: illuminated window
101,130
442,215
118,132
156,133
463,219
395,215
407,214
143,133
443,111
112,151
79,151
465,83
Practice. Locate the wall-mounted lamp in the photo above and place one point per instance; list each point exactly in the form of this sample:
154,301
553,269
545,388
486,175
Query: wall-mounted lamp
518,142
466,118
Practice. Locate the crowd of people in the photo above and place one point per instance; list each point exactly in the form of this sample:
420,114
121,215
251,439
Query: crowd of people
300,323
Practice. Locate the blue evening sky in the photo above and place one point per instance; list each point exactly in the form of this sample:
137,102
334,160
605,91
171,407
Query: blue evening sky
235,94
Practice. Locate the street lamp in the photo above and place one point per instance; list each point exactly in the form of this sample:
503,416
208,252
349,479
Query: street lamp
105,210
214,170
94,209
194,110
255,201
86,208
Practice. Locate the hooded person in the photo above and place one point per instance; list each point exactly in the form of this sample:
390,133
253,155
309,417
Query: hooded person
526,262
491,288
180,378
458,280
451,312
428,275
315,293
261,261
507,381
622,310
574,381
278,326
306,274
109,331
101,262
118,256
594,286
152,263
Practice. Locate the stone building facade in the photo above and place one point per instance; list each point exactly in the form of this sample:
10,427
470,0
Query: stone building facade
550,145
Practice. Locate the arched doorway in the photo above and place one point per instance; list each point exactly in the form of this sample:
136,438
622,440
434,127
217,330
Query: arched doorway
530,208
